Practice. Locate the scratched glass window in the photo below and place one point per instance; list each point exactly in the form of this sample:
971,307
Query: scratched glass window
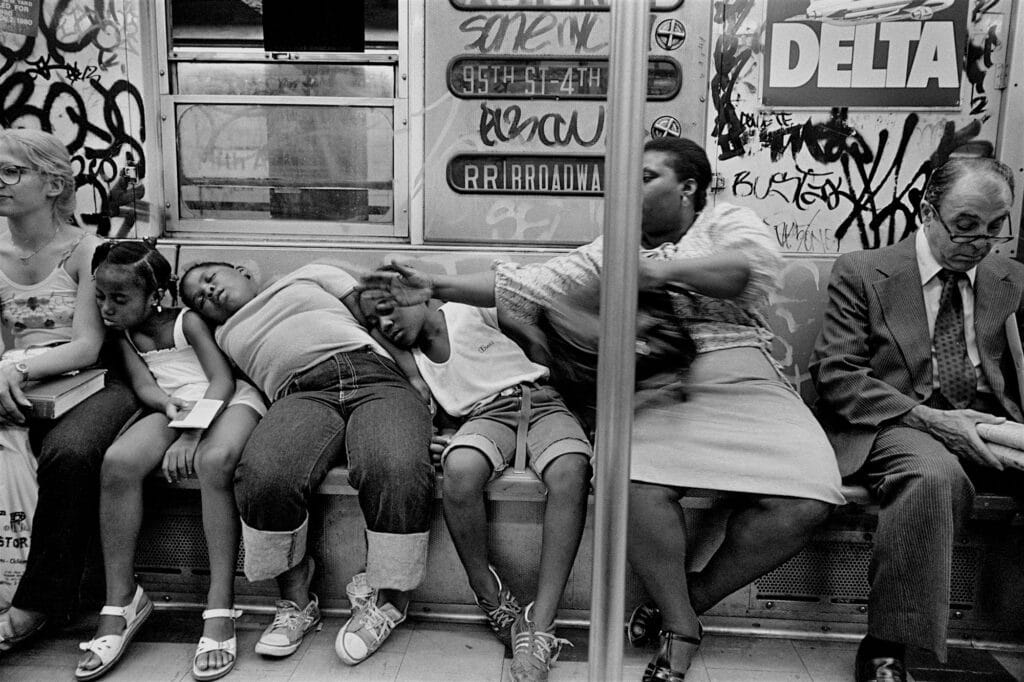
235,23
286,162
564,5
569,79
309,79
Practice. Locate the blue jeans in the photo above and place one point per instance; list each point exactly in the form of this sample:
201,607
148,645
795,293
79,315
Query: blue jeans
69,452
355,407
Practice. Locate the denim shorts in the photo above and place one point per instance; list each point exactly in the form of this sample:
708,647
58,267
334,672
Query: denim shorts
552,431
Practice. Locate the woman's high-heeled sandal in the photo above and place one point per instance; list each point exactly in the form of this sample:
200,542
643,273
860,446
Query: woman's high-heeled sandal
660,669
644,625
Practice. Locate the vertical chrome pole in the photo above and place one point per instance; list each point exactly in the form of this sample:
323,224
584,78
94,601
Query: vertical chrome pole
622,215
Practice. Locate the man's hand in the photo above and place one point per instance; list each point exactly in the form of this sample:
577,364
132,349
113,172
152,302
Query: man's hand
405,284
958,431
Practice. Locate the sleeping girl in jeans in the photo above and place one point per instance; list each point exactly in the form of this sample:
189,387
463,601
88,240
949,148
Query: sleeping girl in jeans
337,396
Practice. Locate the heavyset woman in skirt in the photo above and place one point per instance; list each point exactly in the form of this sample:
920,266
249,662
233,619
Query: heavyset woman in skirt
737,426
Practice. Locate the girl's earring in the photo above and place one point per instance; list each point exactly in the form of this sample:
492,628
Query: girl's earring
159,308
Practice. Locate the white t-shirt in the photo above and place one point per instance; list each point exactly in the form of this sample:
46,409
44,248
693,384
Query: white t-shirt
482,363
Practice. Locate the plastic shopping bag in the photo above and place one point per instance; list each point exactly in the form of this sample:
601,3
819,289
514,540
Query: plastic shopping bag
18,494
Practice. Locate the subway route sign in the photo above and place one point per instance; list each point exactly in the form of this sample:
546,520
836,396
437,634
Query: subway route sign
551,78
526,174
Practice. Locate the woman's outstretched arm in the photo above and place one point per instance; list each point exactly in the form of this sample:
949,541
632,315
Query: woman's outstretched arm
409,286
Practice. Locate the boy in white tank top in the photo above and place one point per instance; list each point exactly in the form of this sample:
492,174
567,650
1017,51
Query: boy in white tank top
482,378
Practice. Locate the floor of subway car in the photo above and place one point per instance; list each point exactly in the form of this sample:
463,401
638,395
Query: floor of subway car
421,651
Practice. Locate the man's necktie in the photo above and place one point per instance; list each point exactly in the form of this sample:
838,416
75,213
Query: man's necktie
956,372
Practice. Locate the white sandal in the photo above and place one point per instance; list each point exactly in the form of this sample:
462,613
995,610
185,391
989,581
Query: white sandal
109,648
208,645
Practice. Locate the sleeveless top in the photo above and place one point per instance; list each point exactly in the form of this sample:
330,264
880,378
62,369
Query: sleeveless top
178,371
40,314
482,361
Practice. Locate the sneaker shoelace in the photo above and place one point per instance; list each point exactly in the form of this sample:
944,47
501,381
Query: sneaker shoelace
287,618
505,613
542,646
359,592
377,622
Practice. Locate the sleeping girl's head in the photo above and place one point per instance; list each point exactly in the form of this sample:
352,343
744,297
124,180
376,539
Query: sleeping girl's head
131,281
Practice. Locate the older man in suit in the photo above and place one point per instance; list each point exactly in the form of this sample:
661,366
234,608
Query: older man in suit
913,354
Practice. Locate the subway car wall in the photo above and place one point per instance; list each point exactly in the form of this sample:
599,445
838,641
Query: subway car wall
463,131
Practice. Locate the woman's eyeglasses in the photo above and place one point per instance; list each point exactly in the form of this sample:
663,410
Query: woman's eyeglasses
11,175
970,238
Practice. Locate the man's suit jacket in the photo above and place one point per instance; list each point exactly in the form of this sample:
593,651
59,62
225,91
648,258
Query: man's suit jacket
872,360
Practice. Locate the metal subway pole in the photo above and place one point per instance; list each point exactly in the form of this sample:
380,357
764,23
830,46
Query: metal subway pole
622,216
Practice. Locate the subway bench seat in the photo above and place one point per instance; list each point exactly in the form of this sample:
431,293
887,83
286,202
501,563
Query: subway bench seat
821,592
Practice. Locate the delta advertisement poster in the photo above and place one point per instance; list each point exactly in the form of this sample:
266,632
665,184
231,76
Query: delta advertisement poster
864,53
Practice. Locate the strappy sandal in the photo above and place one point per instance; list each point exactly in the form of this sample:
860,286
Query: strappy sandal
10,641
660,669
644,624
110,648
209,645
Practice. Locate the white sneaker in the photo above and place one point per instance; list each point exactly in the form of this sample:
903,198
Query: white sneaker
284,635
359,592
365,631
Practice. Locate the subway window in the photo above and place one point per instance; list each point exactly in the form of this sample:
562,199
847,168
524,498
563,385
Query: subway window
282,127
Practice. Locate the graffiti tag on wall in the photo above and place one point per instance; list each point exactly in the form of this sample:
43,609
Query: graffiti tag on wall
75,78
830,180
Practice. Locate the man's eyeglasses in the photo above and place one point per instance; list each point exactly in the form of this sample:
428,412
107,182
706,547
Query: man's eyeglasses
11,175
970,238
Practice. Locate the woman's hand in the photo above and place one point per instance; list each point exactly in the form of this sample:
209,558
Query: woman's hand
179,460
653,274
12,400
404,283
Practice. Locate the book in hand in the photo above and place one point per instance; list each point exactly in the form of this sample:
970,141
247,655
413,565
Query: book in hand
54,396
197,416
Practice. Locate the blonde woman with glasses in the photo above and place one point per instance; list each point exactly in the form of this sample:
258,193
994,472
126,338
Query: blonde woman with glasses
48,309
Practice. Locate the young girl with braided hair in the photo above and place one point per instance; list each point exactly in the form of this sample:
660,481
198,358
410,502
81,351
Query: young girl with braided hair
172,359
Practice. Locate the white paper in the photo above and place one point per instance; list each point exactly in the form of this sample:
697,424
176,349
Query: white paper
199,416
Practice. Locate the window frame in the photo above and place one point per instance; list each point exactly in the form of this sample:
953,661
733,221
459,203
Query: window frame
176,226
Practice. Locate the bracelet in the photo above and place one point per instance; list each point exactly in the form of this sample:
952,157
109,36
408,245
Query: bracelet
22,369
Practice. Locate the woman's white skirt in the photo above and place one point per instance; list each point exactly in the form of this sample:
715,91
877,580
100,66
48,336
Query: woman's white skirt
741,428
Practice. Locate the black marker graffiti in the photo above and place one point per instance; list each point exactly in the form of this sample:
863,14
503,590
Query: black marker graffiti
731,56
879,222
860,188
979,61
804,189
522,33
61,81
826,142
552,129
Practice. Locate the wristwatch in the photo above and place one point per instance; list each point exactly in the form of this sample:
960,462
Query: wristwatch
22,369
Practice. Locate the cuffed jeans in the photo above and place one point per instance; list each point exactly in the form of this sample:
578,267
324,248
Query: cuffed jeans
69,453
355,406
